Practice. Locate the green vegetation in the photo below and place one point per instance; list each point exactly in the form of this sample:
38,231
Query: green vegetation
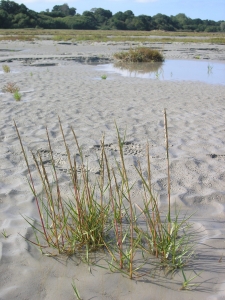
14,15
103,76
187,285
17,96
112,36
18,38
76,292
210,68
157,74
4,234
80,224
141,54
101,214
6,68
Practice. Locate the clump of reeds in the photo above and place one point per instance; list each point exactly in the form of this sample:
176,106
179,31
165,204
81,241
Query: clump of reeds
102,215
6,68
68,226
10,87
141,54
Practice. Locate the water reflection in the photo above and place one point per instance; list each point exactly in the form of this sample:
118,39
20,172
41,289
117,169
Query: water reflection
191,70
136,69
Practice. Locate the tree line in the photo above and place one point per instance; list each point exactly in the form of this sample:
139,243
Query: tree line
14,15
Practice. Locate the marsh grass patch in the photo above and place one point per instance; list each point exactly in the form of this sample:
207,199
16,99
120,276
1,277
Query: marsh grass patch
140,54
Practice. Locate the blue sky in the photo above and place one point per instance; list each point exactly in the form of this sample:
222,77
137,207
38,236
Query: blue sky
203,9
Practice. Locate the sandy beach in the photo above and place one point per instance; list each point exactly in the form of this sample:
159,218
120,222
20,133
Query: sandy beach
55,79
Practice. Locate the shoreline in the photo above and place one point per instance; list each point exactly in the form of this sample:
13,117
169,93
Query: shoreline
104,51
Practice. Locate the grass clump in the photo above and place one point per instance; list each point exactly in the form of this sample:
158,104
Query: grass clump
103,76
17,96
10,87
101,214
6,68
79,224
141,54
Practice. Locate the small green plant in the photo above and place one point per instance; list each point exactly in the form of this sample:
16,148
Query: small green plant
157,74
209,67
17,96
103,76
187,285
76,292
141,54
6,68
197,57
10,87
5,234
31,74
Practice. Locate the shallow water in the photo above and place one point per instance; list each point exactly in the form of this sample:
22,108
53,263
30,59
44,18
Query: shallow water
175,70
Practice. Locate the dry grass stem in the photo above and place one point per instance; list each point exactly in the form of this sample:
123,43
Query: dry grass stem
10,87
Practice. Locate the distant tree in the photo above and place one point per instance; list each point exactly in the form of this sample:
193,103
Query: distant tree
163,22
180,21
90,17
10,7
5,20
102,15
197,21
72,11
222,26
119,16
146,21
211,29
65,9
56,8
21,21
120,25
14,15
93,9
23,9
79,22
88,13
128,14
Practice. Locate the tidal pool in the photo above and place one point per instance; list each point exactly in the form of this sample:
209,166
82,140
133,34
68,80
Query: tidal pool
175,70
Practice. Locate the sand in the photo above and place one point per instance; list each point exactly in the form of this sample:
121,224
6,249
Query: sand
75,92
